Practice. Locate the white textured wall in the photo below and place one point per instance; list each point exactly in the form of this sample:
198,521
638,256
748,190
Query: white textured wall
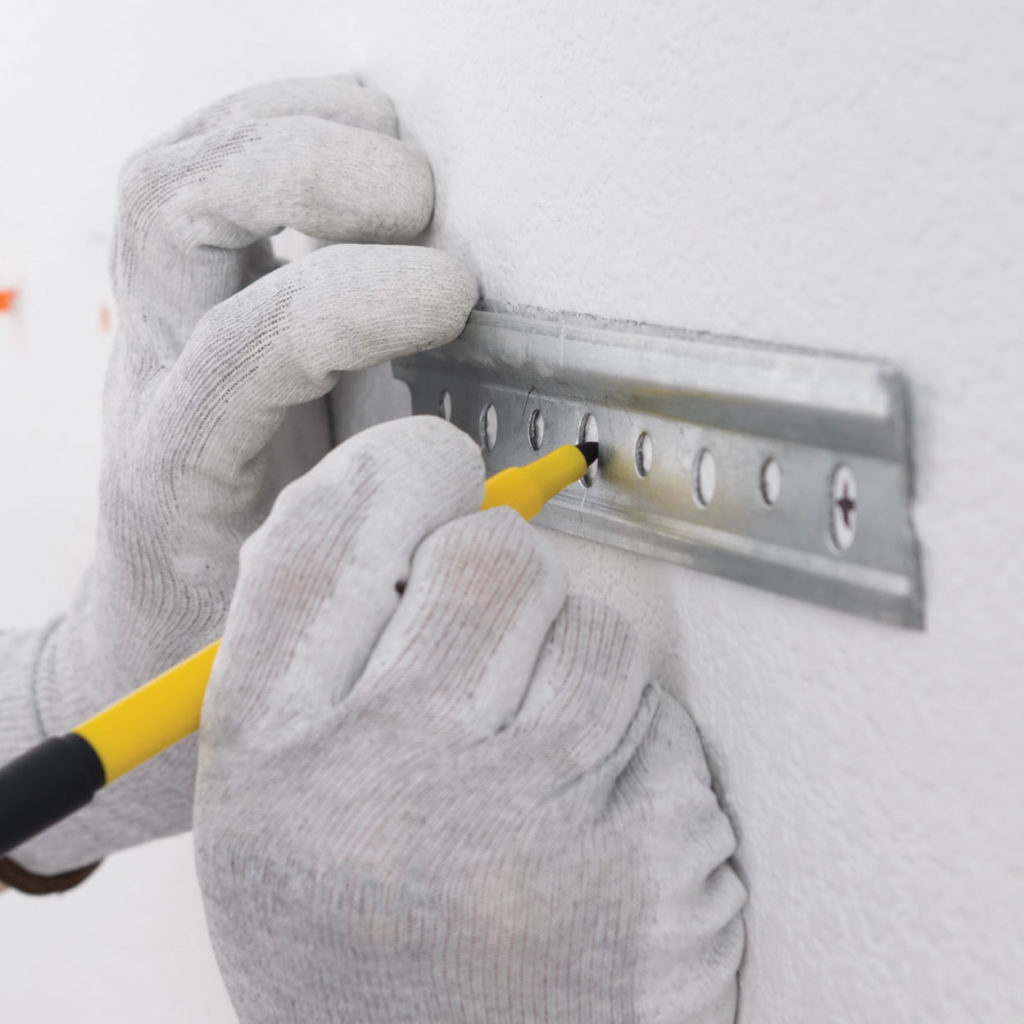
838,175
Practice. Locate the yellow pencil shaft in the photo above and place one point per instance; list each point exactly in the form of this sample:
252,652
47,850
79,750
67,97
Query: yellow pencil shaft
151,718
166,709
527,488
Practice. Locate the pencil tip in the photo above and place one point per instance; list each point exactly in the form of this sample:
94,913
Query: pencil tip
589,450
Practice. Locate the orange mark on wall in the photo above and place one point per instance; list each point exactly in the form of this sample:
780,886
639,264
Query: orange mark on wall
105,319
7,297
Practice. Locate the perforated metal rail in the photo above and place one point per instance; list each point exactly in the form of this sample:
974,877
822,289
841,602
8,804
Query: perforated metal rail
782,468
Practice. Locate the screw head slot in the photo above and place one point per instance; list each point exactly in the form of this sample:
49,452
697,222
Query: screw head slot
843,510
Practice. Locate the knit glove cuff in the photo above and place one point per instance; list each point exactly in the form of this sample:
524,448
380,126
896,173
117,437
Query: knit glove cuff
20,654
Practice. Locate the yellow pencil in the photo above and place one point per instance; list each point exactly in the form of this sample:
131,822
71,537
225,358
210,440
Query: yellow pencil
61,774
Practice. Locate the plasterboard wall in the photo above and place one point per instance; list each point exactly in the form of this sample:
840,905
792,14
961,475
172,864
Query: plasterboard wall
803,172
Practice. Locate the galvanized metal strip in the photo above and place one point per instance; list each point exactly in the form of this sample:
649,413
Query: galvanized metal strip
810,450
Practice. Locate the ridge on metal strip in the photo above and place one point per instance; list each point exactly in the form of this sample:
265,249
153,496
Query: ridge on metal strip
787,469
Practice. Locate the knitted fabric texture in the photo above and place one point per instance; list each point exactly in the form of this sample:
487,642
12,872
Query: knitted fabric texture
434,788
211,353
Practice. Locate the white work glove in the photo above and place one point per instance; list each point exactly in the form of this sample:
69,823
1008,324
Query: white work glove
467,803
198,386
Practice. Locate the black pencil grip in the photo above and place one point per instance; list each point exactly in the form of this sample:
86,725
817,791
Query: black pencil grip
45,785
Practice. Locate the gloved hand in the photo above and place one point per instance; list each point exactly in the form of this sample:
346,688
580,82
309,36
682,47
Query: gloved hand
464,804
199,382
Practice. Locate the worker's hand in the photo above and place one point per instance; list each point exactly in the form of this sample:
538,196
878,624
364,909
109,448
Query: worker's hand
200,380
466,803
